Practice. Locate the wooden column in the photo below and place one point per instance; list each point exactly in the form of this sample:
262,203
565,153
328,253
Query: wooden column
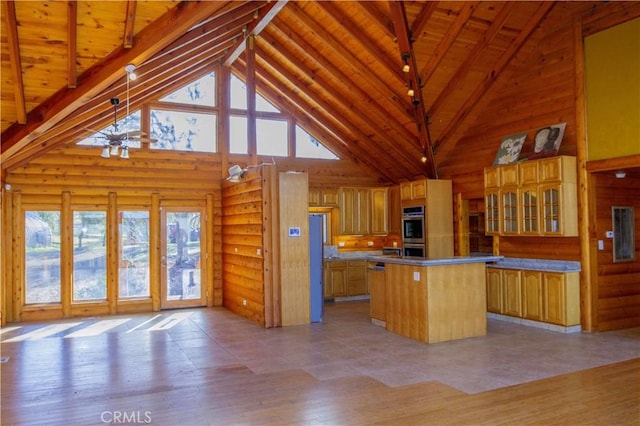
154,252
66,254
113,258
206,261
223,75
588,284
251,102
6,267
17,260
462,216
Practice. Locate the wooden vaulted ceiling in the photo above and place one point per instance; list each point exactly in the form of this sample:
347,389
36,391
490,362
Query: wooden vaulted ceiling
336,66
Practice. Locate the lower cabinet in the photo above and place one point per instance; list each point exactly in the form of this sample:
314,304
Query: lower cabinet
552,297
377,283
345,278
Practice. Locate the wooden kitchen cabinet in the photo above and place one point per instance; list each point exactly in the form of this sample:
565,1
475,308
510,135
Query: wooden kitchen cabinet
355,211
414,190
561,298
356,278
325,197
512,292
335,279
536,197
532,295
494,290
551,297
344,278
379,211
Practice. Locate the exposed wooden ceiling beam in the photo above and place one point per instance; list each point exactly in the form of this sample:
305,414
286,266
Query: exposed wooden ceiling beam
374,80
266,15
344,102
362,38
16,62
72,43
149,41
421,20
399,17
531,24
478,50
129,24
379,112
378,16
447,41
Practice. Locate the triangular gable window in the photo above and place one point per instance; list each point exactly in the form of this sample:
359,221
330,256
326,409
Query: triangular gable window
239,97
200,92
309,147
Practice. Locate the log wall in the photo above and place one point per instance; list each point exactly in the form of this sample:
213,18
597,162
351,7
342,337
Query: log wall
618,292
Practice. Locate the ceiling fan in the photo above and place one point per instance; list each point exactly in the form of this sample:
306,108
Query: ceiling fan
116,140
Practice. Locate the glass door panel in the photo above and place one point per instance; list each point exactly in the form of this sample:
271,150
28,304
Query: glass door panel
89,256
42,256
181,266
133,270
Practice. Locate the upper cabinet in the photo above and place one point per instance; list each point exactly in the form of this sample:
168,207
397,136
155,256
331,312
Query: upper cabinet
536,197
325,197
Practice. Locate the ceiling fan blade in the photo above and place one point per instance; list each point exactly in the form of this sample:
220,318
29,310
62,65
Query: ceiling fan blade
96,131
147,140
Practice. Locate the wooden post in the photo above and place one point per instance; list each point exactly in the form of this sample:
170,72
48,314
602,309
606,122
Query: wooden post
154,252
206,261
17,255
223,78
113,257
66,254
588,287
6,267
462,214
251,102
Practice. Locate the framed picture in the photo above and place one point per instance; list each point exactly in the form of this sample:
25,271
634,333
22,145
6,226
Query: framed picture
547,141
510,149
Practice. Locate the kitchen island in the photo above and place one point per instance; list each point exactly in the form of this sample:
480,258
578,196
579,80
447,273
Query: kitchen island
431,300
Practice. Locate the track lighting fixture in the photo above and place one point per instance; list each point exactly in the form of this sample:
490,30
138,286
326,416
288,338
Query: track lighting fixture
405,58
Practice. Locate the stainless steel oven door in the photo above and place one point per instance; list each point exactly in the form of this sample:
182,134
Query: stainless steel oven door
414,250
413,229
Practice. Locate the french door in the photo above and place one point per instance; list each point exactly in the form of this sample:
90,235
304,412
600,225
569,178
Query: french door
181,246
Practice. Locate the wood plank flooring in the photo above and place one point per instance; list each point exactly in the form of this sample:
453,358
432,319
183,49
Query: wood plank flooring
211,367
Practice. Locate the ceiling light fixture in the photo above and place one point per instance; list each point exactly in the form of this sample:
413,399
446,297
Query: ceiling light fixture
405,58
130,69
410,92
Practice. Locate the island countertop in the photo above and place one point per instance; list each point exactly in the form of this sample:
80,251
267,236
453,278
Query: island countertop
417,261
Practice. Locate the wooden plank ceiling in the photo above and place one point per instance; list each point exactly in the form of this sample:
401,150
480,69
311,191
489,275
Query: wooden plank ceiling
337,66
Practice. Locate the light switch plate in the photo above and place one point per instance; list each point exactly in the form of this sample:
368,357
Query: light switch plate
600,245
416,276
609,234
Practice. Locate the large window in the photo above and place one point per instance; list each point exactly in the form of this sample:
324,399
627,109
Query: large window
42,256
309,147
183,131
272,137
200,92
89,255
133,271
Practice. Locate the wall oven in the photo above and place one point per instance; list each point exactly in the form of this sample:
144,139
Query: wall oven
413,230
414,250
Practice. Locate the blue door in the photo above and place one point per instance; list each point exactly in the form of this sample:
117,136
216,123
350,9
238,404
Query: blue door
315,267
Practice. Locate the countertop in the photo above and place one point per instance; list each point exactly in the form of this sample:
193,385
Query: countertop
377,256
537,265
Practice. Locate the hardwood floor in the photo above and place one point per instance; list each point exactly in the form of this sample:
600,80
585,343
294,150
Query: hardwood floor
198,367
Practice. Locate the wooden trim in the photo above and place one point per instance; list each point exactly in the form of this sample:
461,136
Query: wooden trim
17,255
66,254
129,24
207,260
113,255
588,311
15,61
72,40
6,268
154,252
252,138
612,164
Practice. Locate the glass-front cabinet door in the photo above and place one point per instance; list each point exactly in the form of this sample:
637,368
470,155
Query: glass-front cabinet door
181,264
509,211
529,202
492,210
551,210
